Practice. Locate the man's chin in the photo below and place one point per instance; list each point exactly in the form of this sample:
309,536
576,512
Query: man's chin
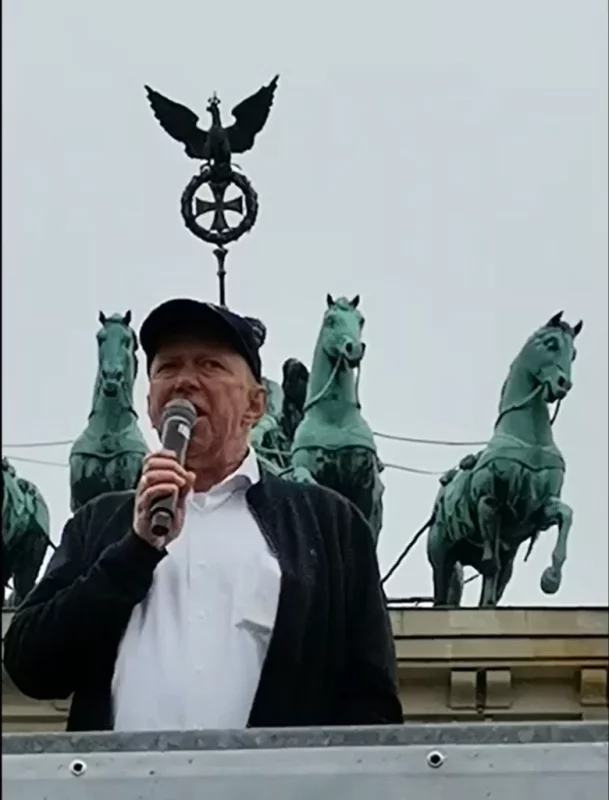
202,441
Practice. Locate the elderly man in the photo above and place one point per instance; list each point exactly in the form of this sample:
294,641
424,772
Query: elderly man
262,606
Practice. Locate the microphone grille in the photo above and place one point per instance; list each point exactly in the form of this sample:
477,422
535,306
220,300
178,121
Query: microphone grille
182,409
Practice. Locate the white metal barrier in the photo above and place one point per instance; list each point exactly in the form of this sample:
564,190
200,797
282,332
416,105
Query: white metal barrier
484,761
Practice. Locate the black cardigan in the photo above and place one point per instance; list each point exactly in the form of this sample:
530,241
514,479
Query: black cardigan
331,659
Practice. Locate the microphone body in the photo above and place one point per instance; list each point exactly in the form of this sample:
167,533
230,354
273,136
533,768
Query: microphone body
179,417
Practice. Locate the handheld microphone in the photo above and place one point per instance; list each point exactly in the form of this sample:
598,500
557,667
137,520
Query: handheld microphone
177,422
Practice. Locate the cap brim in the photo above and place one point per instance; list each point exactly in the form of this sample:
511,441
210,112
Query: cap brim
186,316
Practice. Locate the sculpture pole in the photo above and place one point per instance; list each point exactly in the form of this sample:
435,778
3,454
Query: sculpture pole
215,147
220,254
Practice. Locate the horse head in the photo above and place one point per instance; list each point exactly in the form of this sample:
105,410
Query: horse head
341,335
117,360
548,356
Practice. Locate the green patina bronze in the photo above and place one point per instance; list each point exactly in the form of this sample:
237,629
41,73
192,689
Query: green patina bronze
264,437
108,455
25,533
509,492
333,444
272,435
272,438
294,390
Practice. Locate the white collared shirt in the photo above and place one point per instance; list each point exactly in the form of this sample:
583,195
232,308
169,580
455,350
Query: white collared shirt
193,650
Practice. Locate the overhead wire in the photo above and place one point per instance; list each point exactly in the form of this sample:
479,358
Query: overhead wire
389,436
388,465
413,440
21,445
401,467
41,461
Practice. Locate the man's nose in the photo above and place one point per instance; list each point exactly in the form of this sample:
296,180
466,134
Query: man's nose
185,380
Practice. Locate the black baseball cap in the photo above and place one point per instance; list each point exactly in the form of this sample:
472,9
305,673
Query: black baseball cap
187,316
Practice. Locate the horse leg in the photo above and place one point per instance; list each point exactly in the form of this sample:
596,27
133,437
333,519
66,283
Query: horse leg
376,516
556,513
446,589
488,526
27,566
488,593
7,570
505,573
447,584
491,581
455,586
302,466
78,477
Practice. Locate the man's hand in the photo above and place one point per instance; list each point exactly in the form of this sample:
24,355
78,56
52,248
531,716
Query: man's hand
162,476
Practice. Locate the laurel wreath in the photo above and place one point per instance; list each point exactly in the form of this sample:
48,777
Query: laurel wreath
231,234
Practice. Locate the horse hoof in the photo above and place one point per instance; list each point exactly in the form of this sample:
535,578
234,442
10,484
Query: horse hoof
550,581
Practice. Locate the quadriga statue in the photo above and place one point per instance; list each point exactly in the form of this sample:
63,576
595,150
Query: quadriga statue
313,430
25,533
511,491
108,455
333,444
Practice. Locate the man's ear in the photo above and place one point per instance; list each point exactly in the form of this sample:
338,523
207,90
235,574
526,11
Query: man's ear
257,405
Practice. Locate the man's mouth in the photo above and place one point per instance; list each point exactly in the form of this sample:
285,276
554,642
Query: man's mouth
201,412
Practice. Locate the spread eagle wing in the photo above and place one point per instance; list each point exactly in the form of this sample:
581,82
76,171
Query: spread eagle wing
179,122
251,115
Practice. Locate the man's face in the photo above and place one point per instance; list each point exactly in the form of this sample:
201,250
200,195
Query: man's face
217,381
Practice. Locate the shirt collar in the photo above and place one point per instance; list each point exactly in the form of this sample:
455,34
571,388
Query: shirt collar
246,474
248,469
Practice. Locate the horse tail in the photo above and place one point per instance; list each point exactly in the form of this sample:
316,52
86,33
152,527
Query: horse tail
408,548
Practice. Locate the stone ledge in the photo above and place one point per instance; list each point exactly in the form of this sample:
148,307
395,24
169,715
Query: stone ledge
557,622
463,664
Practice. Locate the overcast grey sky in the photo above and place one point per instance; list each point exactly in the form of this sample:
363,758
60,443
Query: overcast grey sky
446,159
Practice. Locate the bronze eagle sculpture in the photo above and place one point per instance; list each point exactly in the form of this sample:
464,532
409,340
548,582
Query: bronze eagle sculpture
216,144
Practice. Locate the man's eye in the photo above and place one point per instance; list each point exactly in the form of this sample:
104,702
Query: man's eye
212,364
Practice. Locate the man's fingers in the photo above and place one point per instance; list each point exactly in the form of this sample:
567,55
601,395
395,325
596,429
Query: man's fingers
162,462
157,476
169,454
144,501
189,484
